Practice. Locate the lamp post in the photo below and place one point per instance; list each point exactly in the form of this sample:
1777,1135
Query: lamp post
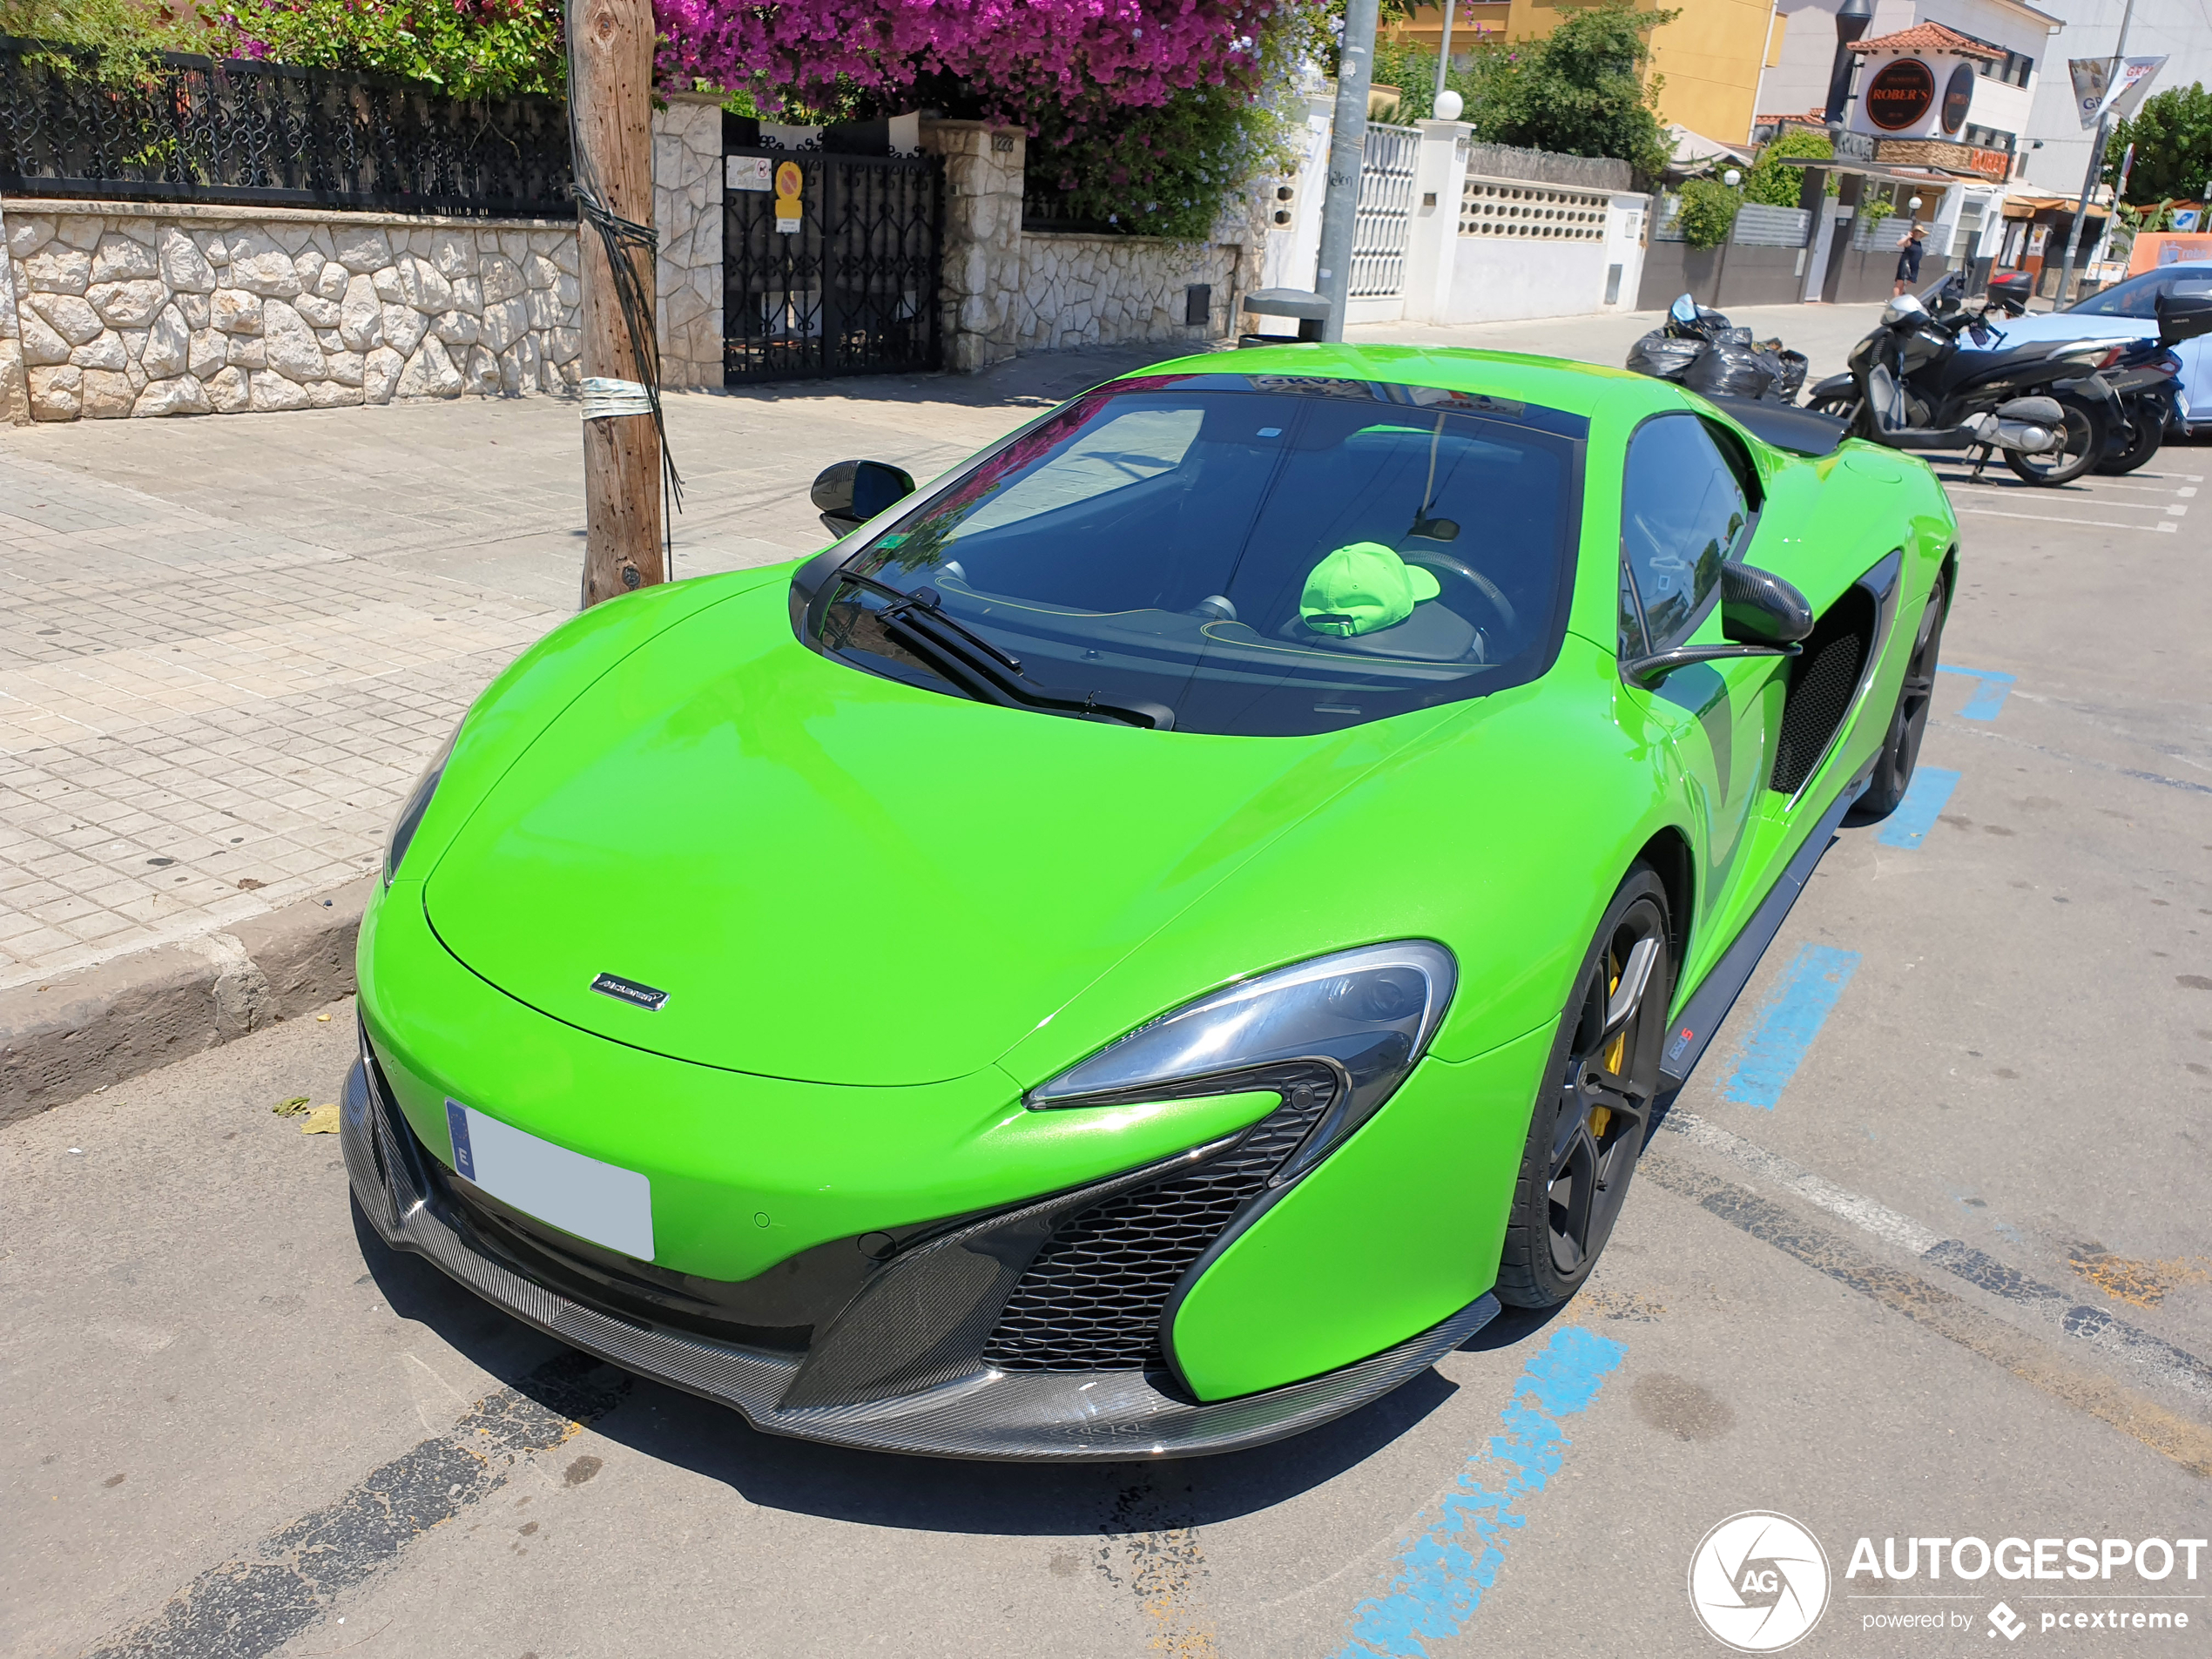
1347,150
1852,20
2096,161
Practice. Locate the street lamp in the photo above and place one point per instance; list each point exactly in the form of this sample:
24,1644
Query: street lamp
1731,179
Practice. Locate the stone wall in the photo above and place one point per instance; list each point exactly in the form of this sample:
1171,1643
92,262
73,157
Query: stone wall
687,212
150,309
1099,290
1007,291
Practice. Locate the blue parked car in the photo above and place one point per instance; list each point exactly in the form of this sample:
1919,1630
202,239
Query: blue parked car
2124,311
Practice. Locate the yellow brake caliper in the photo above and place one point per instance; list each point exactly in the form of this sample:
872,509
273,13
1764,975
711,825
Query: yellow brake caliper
1614,1052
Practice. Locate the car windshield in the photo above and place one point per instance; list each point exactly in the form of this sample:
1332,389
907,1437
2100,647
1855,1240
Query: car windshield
1256,554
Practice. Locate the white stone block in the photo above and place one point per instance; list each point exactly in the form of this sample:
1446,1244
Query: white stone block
235,312
128,305
453,252
360,248
59,270
481,369
118,259
544,308
183,266
105,352
332,395
344,366
181,396
56,392
258,266
361,315
388,289
108,394
79,231
73,318
421,285
227,391
207,352
564,346
288,344
271,392
468,295
330,281
404,327
540,272
502,279
28,233
504,323
293,237
429,373
168,346
42,346
380,375
246,352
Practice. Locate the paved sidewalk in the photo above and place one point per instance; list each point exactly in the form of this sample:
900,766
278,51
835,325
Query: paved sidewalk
227,646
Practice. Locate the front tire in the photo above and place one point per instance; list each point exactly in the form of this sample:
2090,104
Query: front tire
2084,444
1901,752
1594,1107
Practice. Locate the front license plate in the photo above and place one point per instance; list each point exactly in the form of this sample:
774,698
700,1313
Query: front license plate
596,1201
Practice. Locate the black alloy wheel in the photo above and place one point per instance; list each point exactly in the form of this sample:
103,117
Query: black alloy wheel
2084,444
1901,752
1842,408
1595,1109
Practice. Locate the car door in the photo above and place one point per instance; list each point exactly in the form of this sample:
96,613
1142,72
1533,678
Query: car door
1689,504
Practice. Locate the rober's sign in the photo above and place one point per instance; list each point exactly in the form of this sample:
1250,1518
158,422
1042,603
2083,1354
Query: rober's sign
1900,95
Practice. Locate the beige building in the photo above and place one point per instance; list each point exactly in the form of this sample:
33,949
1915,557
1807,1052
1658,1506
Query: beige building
1708,58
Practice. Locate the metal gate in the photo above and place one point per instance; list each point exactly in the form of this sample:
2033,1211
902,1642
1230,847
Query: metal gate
853,289
1386,213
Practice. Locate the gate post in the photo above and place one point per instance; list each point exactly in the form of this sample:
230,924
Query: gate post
983,257
687,211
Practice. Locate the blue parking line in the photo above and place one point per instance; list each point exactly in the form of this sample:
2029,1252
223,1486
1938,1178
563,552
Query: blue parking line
1925,798
1795,1011
1988,696
1438,1580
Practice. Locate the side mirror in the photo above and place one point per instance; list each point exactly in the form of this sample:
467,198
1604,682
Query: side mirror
1760,612
1758,608
2182,316
853,492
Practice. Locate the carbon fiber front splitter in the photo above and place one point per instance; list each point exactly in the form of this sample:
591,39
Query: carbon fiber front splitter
1098,1416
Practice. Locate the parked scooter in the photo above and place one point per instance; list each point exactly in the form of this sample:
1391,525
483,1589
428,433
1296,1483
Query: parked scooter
1912,386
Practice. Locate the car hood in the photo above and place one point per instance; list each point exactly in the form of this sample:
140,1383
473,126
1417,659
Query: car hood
836,878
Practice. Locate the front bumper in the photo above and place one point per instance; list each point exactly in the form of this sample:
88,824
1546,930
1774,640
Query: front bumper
985,1412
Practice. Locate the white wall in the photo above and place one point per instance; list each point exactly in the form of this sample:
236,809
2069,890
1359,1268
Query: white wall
2180,29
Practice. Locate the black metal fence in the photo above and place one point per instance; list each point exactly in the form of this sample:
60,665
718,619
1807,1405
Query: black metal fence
197,130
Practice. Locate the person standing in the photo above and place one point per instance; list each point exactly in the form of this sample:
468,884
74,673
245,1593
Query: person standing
1908,259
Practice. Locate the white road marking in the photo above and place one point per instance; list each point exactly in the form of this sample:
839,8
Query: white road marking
2047,518
2171,1365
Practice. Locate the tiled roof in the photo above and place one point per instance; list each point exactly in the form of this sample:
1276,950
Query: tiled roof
1819,117
1929,38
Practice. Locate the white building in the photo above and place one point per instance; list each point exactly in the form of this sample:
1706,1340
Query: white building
2180,30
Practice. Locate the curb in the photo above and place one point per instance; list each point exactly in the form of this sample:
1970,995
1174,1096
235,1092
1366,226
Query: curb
114,1020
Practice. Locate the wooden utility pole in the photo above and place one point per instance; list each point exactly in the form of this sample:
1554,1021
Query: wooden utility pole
611,85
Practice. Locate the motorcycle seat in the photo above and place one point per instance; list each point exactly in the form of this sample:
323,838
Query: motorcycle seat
1801,432
1964,368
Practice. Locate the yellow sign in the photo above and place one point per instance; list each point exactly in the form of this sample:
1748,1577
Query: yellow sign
789,181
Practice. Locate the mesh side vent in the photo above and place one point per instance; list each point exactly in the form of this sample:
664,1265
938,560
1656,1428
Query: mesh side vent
1092,1298
1826,674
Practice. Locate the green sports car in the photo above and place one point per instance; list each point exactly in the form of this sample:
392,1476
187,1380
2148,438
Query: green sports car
1143,944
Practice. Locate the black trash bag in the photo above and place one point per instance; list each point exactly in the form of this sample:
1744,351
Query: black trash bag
1793,376
1726,336
1734,371
1662,355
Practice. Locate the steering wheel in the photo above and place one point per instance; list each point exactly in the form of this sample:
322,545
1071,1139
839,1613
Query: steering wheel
1489,590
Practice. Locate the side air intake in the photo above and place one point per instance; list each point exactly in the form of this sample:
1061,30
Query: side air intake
1823,680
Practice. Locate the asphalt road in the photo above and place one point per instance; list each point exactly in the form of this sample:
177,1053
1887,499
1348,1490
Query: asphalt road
1922,1251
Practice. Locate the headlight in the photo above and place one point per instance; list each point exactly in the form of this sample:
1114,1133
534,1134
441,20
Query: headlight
417,803
1353,1023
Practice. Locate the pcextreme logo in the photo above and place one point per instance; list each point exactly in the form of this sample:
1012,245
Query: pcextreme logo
1758,1581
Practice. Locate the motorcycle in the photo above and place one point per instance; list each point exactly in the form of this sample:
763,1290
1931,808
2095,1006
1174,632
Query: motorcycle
1912,386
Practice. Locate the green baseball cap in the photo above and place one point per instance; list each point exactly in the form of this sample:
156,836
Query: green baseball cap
1360,589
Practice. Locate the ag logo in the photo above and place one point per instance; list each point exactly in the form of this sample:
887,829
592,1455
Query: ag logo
1758,1581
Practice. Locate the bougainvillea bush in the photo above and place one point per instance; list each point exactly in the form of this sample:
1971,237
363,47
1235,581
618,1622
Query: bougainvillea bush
1018,56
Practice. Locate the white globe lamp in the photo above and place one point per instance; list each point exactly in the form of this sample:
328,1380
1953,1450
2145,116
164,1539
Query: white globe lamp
1448,104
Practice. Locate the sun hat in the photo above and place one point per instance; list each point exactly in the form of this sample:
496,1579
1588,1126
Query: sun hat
1361,588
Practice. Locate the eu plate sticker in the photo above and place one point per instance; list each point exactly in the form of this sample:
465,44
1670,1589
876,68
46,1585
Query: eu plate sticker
603,1203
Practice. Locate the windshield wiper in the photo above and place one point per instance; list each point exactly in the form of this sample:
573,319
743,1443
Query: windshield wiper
921,620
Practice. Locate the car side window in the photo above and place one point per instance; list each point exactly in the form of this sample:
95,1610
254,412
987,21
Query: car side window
1684,508
2130,299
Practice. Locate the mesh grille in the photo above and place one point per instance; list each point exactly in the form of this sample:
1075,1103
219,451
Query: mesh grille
1820,690
1092,1298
